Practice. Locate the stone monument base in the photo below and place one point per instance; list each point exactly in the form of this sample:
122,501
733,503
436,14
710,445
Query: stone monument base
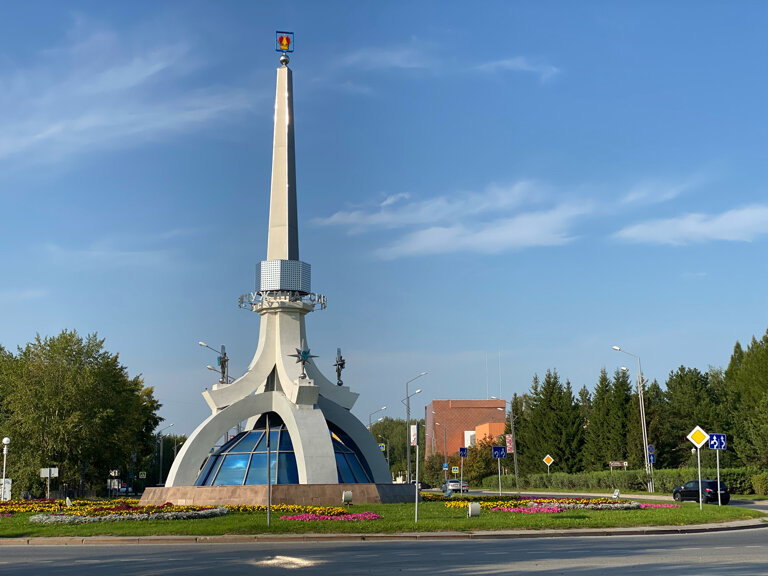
308,494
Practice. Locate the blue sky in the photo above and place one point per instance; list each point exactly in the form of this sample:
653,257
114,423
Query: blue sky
483,194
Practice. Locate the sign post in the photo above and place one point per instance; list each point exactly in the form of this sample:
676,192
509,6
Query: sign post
415,442
462,455
698,438
548,461
717,443
499,452
48,473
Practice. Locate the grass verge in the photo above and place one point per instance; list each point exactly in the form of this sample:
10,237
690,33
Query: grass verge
395,518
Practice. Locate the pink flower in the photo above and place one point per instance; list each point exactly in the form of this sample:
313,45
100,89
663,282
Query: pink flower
644,505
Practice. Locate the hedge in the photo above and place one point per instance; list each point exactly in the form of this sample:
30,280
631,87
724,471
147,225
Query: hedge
738,480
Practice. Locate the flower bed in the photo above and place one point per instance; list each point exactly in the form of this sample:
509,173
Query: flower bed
528,505
343,518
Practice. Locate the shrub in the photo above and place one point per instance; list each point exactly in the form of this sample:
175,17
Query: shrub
738,480
760,483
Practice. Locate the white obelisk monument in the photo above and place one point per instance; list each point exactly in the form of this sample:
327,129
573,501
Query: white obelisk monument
282,378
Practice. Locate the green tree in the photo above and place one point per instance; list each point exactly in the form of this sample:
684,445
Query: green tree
69,403
746,384
596,456
690,403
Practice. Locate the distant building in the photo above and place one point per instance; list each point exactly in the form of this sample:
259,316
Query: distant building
451,424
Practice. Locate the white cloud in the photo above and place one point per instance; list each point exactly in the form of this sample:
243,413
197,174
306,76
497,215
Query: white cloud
499,219
656,192
100,89
13,296
526,230
105,255
380,58
521,64
392,213
738,225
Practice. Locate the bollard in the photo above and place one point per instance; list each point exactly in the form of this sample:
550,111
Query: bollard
473,510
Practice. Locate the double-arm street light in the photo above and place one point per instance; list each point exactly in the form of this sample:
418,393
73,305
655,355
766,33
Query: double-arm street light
641,401
375,412
407,402
160,439
223,363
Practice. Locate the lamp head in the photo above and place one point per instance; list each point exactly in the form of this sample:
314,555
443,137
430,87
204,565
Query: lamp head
624,369
6,441
417,392
202,344
616,348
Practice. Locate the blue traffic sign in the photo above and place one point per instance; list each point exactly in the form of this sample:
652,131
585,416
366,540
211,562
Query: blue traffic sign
651,449
717,442
652,458
499,451
462,452
445,465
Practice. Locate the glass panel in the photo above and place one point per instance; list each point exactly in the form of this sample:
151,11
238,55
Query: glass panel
261,446
345,474
257,473
232,470
357,469
202,479
339,448
273,439
285,442
287,471
248,442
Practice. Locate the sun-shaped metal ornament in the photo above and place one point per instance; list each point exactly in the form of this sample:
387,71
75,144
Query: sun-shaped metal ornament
302,356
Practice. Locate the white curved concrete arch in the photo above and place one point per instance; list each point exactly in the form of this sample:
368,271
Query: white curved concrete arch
312,444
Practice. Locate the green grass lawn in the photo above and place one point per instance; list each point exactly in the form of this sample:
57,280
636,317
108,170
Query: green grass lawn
395,518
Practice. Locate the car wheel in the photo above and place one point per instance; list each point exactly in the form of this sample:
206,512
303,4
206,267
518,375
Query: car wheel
678,497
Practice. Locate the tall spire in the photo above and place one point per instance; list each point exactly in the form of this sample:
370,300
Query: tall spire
283,240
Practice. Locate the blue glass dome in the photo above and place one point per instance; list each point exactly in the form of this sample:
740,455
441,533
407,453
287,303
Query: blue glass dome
243,460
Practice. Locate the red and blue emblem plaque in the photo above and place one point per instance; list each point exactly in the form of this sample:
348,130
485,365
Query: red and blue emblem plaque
283,41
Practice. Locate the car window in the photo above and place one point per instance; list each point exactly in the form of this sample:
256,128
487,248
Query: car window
693,485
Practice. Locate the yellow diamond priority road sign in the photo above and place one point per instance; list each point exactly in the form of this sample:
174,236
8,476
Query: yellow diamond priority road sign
698,437
548,460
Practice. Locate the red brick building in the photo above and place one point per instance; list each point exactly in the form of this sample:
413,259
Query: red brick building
445,422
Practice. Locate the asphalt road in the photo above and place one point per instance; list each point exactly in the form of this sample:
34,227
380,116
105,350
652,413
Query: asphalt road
734,553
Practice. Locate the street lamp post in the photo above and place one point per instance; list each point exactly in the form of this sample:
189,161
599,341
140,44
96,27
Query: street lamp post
223,362
407,401
641,401
445,448
375,412
6,441
160,438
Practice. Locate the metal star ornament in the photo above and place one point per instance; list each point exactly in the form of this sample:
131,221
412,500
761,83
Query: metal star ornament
302,356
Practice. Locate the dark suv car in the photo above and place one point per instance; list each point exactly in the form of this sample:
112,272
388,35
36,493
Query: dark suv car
690,491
